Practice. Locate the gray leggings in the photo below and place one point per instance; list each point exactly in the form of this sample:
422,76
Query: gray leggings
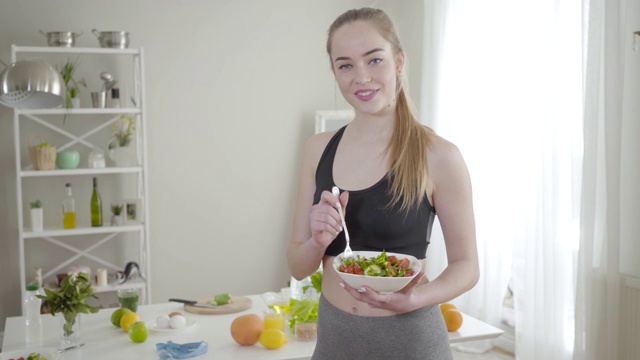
420,334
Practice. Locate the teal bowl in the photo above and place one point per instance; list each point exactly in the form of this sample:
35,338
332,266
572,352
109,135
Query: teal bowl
68,159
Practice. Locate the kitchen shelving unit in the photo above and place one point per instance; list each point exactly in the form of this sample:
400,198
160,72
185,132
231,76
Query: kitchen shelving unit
84,128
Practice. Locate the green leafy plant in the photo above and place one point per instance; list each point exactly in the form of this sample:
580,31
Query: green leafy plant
70,299
123,131
117,209
67,72
306,310
36,204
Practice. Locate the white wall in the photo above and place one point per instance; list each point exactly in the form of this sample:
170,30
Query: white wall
232,87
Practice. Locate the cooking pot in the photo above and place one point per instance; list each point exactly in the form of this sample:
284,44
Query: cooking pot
112,39
61,38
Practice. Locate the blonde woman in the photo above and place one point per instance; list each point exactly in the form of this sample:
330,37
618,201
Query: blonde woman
394,174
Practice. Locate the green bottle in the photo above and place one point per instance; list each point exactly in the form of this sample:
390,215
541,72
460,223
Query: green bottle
96,205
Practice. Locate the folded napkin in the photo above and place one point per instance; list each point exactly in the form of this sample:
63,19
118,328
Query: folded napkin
171,350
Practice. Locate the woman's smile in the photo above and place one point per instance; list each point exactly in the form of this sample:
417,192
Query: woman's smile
366,94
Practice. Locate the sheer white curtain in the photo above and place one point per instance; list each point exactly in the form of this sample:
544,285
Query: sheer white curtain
610,177
508,93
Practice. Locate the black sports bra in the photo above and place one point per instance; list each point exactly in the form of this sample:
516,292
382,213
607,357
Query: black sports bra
372,225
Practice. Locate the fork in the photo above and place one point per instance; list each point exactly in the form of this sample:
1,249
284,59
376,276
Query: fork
347,250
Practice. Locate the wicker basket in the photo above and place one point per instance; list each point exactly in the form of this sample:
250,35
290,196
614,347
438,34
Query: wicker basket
43,158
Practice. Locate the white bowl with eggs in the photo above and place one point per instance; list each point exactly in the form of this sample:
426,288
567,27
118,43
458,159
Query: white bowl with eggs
377,283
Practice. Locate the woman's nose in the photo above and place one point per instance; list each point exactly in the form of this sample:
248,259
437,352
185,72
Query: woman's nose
362,76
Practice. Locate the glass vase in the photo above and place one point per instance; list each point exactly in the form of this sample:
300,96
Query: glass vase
70,324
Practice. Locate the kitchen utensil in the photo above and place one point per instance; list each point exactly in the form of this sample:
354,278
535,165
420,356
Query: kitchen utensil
237,304
70,348
347,250
112,39
109,82
61,38
196,303
99,99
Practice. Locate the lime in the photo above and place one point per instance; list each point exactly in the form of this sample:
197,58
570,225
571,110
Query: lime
138,332
273,338
128,319
117,315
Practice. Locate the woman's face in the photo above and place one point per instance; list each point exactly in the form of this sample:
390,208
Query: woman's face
365,67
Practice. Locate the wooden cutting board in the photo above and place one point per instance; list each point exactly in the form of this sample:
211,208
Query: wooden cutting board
237,304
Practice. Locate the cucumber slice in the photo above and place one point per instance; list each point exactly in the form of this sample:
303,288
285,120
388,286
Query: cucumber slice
373,270
221,299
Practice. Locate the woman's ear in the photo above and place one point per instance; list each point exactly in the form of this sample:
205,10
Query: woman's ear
399,63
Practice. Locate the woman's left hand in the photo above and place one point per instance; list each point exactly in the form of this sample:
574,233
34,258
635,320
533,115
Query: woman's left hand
401,301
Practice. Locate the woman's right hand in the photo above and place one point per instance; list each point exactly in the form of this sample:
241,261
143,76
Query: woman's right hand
324,220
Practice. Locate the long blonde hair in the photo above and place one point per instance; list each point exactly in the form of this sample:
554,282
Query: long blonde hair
408,170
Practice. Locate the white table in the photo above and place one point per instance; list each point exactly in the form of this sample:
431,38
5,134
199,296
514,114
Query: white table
104,341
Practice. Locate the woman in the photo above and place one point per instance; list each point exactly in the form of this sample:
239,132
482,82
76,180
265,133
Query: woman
394,173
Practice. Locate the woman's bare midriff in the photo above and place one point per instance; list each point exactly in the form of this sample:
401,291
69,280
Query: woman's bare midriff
340,298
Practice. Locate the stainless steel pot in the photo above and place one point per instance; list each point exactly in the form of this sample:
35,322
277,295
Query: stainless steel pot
112,39
61,38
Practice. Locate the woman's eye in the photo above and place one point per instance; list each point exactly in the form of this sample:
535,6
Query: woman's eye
375,61
344,66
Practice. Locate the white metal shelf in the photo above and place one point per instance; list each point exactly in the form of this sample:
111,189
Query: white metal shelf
81,171
79,111
82,230
74,50
101,119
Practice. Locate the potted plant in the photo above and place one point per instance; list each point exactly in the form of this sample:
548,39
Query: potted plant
120,149
70,301
36,216
116,218
73,91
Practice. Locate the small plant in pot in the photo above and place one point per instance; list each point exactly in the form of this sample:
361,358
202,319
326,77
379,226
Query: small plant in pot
36,216
72,97
116,218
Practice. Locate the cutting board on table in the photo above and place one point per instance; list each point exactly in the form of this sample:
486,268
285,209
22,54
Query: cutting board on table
237,304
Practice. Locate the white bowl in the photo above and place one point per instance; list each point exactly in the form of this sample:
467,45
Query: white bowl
377,283
49,353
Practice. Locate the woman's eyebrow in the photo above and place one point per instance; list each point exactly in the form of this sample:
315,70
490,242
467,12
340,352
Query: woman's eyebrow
365,54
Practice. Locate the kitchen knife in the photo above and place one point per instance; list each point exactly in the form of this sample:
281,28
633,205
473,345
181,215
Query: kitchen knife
196,303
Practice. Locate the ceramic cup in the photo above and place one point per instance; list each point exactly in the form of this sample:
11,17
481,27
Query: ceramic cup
68,159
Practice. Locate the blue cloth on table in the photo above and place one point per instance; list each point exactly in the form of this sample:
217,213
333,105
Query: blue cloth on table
171,350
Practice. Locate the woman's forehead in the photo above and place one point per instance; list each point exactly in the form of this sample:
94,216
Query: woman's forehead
356,39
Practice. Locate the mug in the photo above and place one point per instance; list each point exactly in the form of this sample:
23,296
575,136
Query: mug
68,159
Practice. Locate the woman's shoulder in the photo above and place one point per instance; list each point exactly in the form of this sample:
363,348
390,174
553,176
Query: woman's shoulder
441,151
318,142
444,158
315,145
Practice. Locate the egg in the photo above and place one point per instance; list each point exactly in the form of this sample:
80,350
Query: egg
175,313
177,321
162,321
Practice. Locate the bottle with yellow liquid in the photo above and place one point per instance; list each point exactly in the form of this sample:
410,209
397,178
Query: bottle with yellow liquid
69,209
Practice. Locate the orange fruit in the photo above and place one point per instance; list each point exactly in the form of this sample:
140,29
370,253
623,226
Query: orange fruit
446,306
453,319
246,329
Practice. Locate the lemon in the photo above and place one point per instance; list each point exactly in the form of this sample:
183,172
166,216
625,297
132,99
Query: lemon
273,338
127,319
